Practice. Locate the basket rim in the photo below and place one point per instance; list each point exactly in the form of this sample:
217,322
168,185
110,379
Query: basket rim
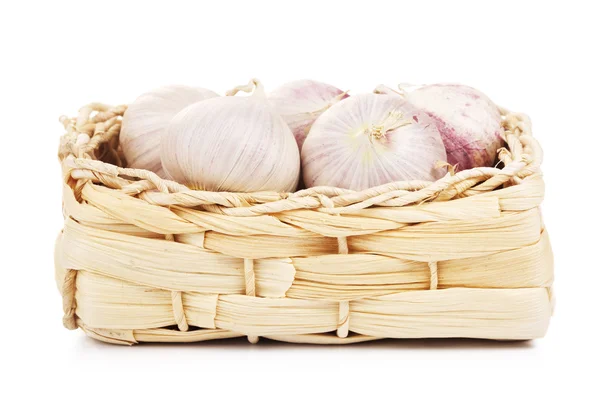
97,127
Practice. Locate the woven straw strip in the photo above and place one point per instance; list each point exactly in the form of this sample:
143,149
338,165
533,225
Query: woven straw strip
250,288
433,279
177,302
481,313
343,319
68,295
334,276
344,308
178,311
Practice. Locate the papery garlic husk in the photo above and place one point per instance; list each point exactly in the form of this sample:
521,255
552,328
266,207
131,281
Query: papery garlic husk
369,140
469,122
146,120
237,144
300,103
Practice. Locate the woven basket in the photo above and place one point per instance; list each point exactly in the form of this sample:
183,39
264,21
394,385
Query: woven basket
145,259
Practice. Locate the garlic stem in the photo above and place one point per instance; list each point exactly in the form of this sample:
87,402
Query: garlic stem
393,121
383,89
376,132
316,113
254,86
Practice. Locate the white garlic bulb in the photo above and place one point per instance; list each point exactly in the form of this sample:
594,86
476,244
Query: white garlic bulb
369,140
300,103
147,118
237,144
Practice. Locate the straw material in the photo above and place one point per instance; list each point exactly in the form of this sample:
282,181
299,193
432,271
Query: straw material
141,258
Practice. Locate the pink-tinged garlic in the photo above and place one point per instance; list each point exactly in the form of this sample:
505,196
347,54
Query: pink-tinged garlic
146,120
369,140
469,122
301,102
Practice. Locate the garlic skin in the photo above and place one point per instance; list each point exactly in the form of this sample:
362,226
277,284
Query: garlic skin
237,144
369,140
300,103
146,120
469,122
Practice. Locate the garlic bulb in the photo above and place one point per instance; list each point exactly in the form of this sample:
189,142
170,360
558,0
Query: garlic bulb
469,122
369,140
300,103
232,144
146,120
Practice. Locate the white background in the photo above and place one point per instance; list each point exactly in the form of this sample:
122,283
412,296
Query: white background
536,57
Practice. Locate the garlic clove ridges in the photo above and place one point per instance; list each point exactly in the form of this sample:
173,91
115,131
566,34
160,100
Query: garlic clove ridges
369,140
300,102
147,118
469,122
237,144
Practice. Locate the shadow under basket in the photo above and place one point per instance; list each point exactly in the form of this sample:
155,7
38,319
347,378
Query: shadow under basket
141,258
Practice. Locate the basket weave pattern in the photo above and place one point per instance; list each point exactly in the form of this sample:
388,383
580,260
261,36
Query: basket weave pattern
141,258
